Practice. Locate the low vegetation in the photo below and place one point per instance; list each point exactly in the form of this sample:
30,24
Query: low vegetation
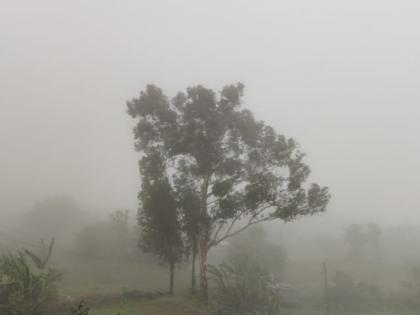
243,287
27,285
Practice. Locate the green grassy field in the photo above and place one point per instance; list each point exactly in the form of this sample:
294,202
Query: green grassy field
90,276
308,276
163,306
93,277
183,306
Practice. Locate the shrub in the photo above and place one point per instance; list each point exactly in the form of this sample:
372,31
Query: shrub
26,285
80,309
243,287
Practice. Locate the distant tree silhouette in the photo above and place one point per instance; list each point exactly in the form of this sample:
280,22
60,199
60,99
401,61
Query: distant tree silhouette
373,238
356,240
56,216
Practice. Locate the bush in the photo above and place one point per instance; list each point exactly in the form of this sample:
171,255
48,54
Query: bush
243,287
26,285
80,309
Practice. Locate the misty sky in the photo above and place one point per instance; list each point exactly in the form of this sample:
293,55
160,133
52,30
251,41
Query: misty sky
341,77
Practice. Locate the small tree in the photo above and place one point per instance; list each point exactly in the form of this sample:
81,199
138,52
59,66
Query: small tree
159,219
241,170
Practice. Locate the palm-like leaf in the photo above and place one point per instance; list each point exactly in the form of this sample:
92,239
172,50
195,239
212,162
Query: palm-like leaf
39,262
50,248
35,259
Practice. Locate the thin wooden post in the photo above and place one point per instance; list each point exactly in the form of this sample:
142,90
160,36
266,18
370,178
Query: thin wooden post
326,290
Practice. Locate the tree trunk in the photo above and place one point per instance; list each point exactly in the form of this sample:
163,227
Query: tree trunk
193,263
171,277
204,288
203,238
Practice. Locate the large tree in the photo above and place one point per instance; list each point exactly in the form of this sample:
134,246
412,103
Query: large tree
239,168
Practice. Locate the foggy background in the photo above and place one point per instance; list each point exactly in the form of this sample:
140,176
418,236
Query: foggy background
339,77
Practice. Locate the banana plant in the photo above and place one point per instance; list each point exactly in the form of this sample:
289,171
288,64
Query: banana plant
41,262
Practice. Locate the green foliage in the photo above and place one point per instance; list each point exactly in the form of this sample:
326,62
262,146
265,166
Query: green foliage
160,224
41,262
205,136
243,287
32,286
188,204
80,309
158,217
212,137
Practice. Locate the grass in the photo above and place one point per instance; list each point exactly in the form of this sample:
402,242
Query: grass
308,276
163,306
91,277
184,306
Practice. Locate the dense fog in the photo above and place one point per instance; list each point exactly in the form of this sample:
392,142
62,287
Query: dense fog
338,77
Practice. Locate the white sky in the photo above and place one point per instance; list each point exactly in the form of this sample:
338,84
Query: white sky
339,76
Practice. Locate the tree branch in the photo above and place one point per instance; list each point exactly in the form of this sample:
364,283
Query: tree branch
250,222
234,220
221,225
254,219
213,201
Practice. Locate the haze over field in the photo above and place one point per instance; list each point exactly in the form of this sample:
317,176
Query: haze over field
216,212
340,77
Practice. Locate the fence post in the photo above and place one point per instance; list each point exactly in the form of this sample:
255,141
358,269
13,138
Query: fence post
327,296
